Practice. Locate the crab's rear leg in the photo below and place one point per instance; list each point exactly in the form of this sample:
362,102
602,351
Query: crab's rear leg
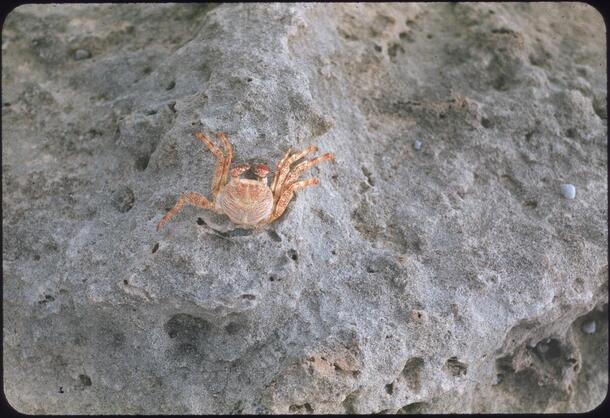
278,168
285,168
299,168
192,198
287,195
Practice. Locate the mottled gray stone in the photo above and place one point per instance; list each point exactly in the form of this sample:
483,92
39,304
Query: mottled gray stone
406,281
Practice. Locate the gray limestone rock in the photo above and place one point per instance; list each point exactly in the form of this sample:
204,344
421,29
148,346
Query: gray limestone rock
452,278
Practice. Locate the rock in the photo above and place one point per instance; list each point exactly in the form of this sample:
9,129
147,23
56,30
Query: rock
568,191
417,145
398,282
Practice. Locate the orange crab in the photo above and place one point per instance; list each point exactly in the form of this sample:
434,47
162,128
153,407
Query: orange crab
250,202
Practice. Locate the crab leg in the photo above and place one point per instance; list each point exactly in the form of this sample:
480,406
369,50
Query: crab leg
298,169
285,169
278,168
195,199
228,157
287,195
220,163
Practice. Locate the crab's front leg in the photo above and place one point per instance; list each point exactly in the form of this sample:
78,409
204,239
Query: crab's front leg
195,199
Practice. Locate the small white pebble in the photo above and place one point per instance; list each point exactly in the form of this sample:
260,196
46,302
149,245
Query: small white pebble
588,327
531,343
568,191
81,54
417,145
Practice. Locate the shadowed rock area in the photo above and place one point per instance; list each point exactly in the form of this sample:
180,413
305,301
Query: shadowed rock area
439,266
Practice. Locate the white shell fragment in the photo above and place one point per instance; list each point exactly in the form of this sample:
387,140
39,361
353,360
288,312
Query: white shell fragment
81,54
568,191
417,145
588,327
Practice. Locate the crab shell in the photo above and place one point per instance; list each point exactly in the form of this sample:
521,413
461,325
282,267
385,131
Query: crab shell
245,202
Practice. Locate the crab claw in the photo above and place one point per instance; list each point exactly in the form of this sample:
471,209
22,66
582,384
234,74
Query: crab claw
261,170
238,169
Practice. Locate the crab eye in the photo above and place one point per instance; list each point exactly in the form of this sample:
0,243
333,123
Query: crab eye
261,170
237,170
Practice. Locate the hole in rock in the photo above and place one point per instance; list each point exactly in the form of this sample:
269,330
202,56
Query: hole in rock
571,133
306,407
232,328
389,388
123,199
274,235
187,327
412,408
455,367
142,162
412,373
532,204
84,379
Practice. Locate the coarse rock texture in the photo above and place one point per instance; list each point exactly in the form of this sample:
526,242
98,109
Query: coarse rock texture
450,278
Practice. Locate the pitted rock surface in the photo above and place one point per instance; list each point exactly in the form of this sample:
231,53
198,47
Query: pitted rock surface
448,276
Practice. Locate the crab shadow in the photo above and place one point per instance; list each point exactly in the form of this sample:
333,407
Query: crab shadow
226,230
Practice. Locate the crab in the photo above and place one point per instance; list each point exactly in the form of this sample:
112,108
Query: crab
249,203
